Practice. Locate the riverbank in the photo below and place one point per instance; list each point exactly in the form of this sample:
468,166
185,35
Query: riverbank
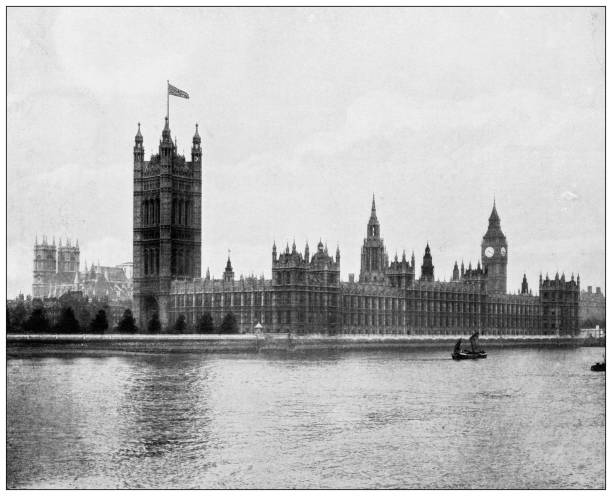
45,344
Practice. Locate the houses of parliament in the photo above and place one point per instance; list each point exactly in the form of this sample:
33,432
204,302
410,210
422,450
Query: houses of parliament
306,293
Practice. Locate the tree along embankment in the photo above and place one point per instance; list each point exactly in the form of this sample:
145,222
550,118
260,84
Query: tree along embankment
46,344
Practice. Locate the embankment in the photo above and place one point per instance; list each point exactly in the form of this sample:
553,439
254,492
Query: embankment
111,344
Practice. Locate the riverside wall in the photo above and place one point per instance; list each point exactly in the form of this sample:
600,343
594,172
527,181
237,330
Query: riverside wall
48,344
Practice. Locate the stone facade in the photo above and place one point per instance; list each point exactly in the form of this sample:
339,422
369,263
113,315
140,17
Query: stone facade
57,271
306,295
592,306
167,223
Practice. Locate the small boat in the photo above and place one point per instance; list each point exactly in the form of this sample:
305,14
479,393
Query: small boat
599,367
475,353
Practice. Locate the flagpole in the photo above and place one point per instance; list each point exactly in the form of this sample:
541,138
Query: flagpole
168,100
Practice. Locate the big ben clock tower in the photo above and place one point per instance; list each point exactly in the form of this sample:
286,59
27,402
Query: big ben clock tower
494,254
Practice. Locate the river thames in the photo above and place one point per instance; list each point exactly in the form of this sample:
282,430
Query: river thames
523,418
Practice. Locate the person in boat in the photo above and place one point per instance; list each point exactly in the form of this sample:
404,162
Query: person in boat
457,347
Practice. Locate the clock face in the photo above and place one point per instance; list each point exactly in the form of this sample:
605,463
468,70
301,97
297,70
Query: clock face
503,251
489,251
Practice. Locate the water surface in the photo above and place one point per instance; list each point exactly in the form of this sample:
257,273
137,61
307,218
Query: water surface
520,419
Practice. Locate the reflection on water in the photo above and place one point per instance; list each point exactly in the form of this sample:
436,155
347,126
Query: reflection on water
520,419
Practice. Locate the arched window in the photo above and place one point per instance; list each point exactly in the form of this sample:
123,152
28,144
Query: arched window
146,262
187,212
173,261
181,269
157,209
174,212
157,259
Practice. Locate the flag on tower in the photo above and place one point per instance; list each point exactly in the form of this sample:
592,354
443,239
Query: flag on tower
172,90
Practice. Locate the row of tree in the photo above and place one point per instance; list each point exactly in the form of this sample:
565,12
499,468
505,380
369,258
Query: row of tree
37,322
204,325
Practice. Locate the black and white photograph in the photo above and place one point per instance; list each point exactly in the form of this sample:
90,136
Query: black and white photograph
292,247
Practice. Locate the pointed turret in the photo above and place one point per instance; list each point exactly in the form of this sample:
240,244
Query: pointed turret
274,252
524,285
427,269
373,224
166,132
337,254
494,217
307,253
196,137
456,272
228,275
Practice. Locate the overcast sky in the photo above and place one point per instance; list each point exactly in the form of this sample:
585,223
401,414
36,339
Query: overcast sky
304,113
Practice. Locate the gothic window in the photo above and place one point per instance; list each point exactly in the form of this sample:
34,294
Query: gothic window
146,262
174,215
144,212
173,261
157,261
181,267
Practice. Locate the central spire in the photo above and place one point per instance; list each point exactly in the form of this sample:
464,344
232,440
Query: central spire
494,217
373,213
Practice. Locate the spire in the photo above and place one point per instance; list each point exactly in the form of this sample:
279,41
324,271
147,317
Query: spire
196,137
494,217
373,224
138,138
337,253
404,256
166,132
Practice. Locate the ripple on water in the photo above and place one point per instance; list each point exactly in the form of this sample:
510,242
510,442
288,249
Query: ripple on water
520,419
